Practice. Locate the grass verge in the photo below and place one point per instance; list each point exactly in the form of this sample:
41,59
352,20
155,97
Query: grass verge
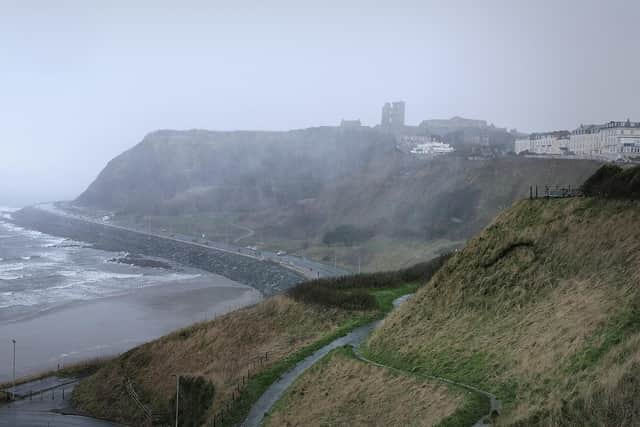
259,383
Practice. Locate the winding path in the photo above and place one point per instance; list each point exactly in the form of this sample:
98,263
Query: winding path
250,232
355,338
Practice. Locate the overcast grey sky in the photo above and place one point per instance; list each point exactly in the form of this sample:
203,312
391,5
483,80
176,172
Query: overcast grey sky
81,81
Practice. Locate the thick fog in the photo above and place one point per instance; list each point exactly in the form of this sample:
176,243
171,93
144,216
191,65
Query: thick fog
82,81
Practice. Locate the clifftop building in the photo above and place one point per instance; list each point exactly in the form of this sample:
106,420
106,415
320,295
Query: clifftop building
393,115
610,141
350,123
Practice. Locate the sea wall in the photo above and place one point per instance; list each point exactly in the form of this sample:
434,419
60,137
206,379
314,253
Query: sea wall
266,276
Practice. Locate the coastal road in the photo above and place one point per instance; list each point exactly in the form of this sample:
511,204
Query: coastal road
305,267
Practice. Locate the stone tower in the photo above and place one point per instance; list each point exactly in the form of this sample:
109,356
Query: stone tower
386,115
397,114
393,115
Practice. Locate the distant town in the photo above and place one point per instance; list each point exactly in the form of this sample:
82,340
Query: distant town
612,141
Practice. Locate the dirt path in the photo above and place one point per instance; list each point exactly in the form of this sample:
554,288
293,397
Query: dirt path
250,232
355,338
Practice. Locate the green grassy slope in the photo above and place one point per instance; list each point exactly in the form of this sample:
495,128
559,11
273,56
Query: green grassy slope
231,360
542,308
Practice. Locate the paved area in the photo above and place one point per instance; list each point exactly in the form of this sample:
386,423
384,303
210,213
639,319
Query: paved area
39,386
47,408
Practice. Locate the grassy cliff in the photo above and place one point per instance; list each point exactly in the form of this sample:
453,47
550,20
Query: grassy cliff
249,341
541,308
227,363
343,391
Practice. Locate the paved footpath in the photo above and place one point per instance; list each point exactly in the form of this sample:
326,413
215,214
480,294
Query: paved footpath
355,338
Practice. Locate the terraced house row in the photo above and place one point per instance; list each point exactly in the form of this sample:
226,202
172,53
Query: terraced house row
610,141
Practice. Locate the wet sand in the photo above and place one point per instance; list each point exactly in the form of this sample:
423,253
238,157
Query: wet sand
111,325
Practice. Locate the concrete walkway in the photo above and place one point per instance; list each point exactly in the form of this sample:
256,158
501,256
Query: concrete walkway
278,388
49,406
355,338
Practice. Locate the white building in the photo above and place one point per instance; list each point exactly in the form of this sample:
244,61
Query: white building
549,143
432,149
611,141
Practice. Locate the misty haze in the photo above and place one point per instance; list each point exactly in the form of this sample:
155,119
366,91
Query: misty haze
344,213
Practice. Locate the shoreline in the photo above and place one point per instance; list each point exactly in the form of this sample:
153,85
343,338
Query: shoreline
105,327
265,276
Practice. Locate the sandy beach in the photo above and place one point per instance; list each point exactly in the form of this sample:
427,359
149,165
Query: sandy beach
111,325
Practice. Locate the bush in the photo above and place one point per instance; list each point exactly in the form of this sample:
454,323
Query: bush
614,182
348,292
347,235
196,395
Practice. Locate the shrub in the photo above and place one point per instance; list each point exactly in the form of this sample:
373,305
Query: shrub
612,181
348,292
196,395
347,235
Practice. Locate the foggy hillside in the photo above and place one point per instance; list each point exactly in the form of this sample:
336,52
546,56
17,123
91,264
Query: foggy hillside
304,183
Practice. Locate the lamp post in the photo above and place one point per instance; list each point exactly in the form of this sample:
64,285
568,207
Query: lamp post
14,363
177,395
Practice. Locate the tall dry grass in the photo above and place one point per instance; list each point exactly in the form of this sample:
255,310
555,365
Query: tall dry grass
221,351
538,308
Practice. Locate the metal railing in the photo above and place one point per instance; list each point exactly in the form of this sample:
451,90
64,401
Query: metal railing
551,192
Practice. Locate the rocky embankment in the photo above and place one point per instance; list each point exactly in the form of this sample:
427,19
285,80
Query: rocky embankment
266,276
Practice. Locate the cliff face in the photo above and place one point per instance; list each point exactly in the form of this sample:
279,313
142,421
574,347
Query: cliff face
302,183
194,171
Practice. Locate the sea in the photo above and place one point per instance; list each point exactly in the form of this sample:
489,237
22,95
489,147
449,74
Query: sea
40,272
64,301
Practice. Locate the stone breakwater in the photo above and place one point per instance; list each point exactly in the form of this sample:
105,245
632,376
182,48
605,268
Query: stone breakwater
266,276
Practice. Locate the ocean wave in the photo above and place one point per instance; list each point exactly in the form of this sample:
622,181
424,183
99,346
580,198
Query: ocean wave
12,227
9,276
13,266
46,240
97,276
18,259
179,276
78,284
58,256
18,299
54,242
67,273
67,286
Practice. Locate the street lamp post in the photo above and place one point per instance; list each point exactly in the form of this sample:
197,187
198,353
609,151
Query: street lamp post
14,364
177,396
